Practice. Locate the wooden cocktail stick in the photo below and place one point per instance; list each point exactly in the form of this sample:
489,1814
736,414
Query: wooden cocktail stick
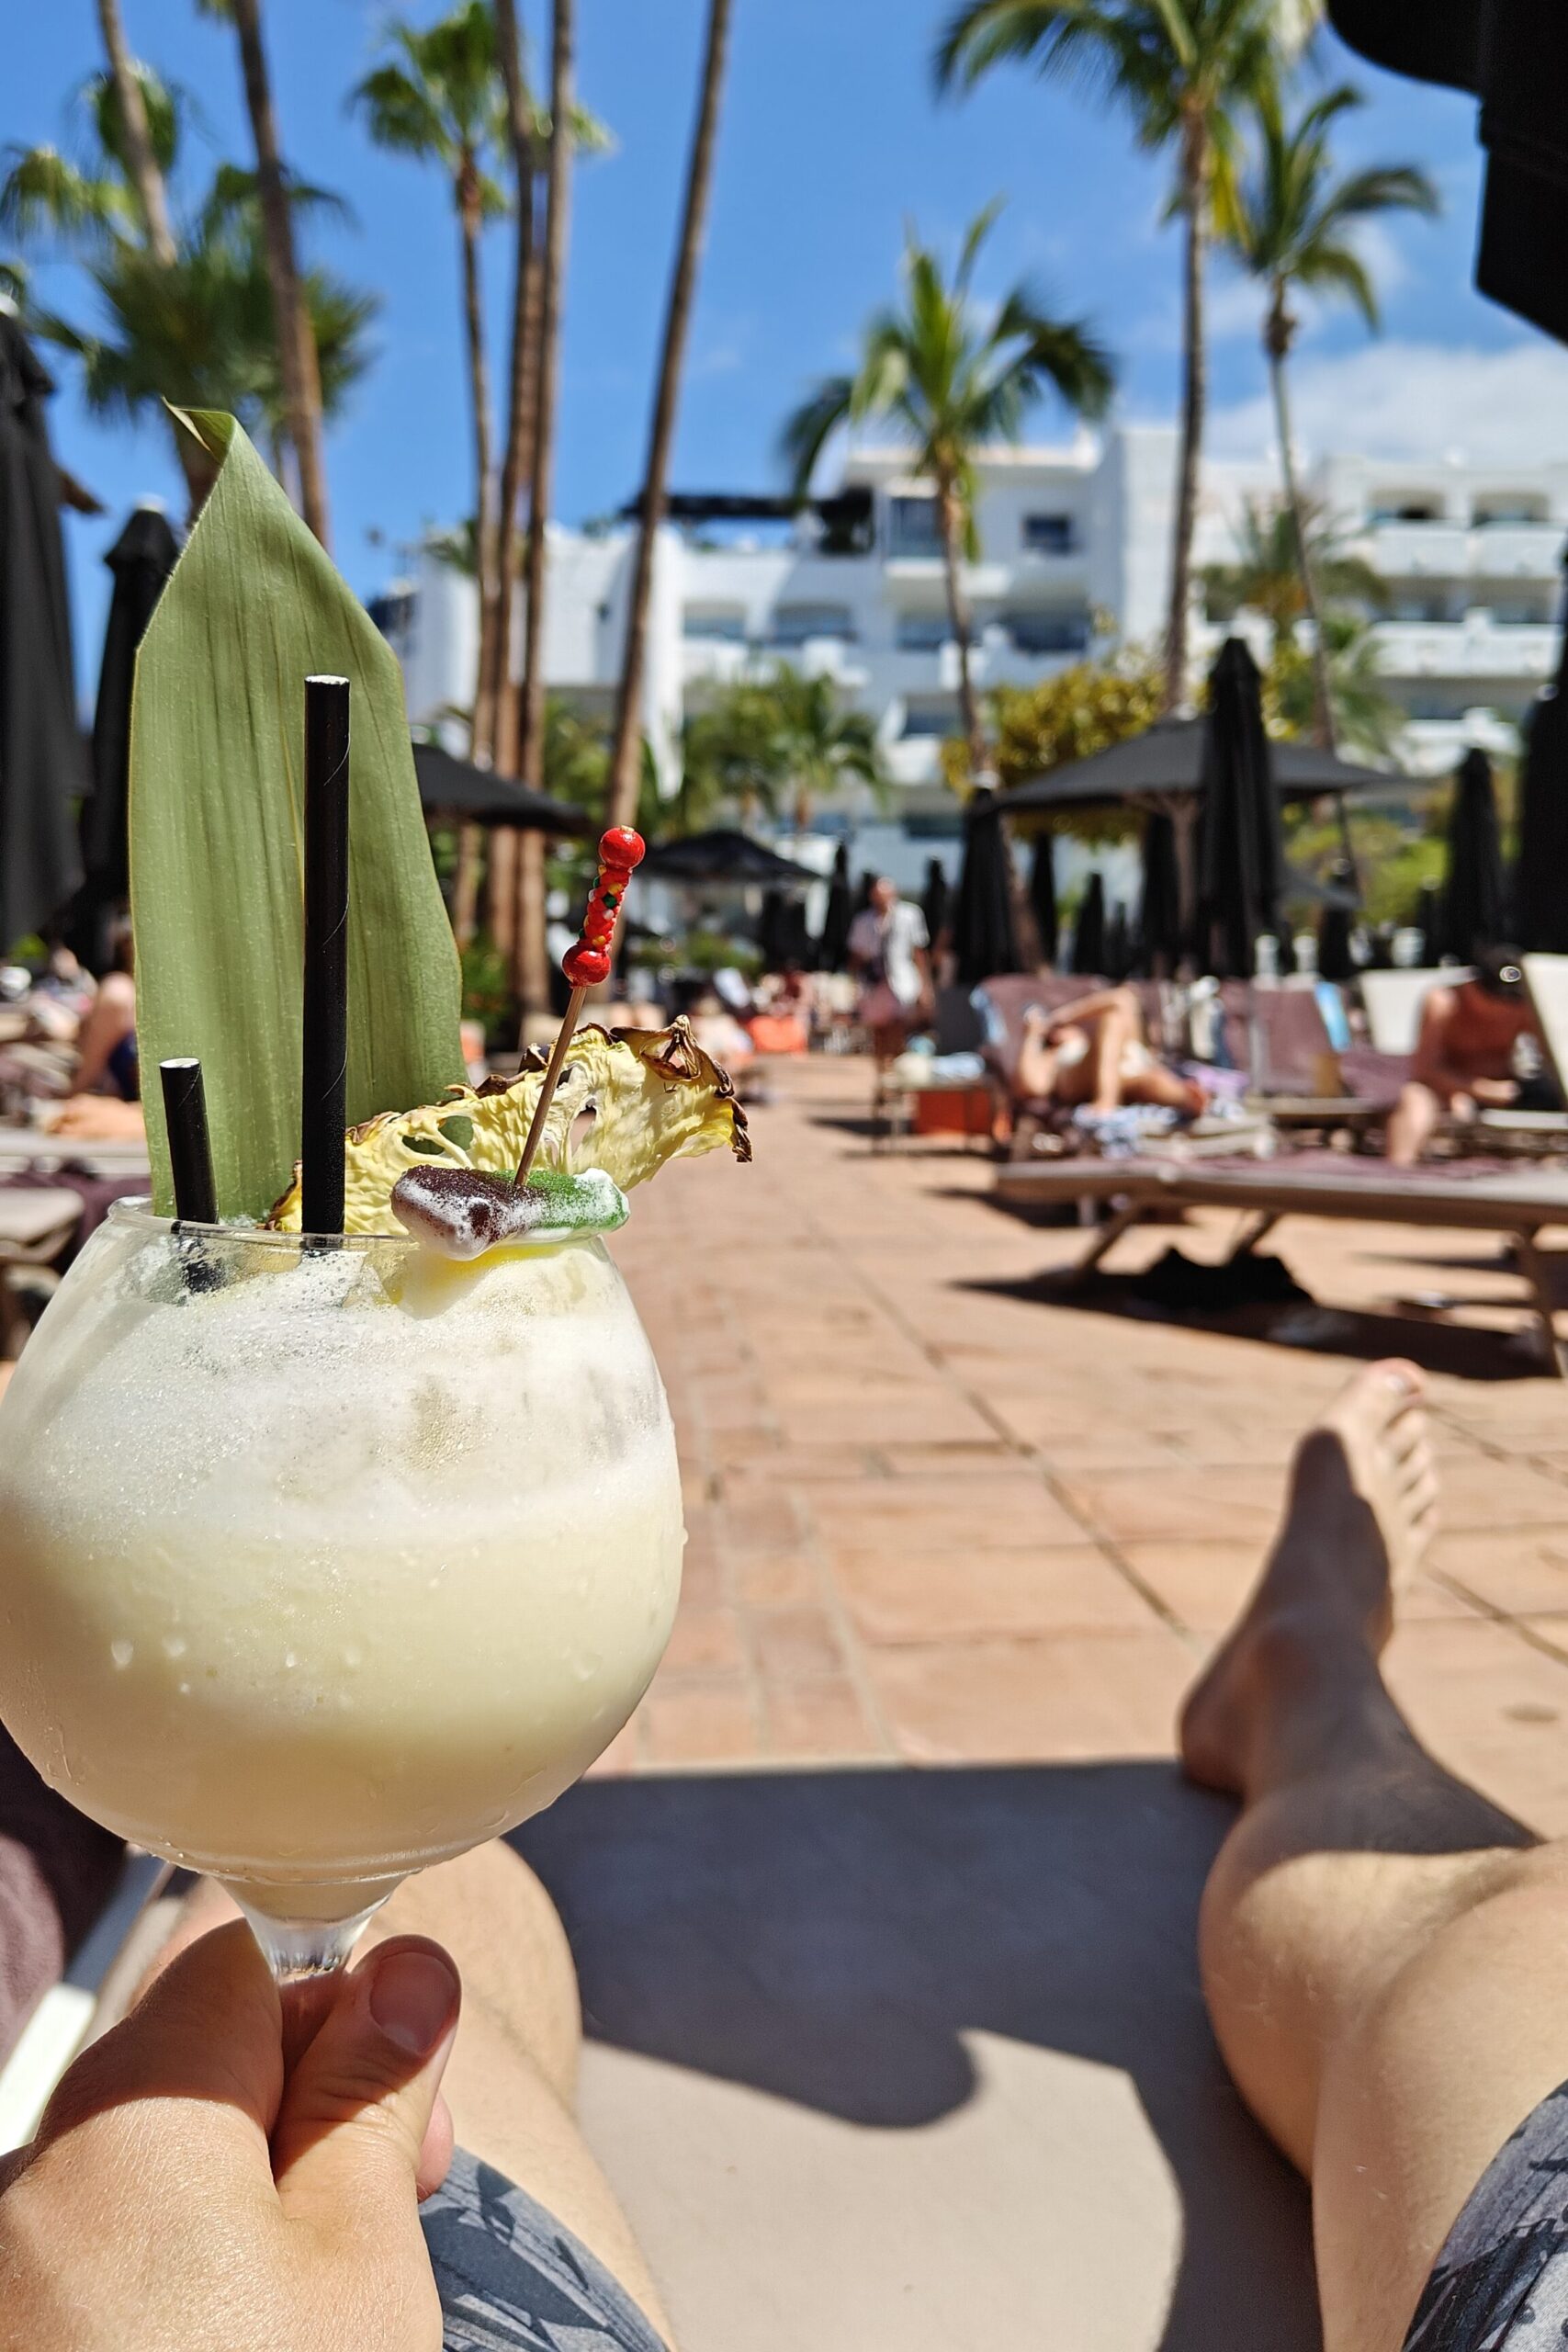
585,965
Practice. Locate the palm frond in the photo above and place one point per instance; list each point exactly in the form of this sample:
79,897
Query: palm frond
808,430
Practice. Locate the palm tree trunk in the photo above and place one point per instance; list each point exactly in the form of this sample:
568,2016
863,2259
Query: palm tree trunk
151,193
482,730
518,457
466,884
295,340
958,615
530,965
1276,342
625,751
1194,400
500,896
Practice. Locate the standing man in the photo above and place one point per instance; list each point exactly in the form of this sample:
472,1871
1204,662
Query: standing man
890,956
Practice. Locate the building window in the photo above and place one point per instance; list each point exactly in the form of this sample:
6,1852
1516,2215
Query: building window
1401,507
1519,612
393,613
921,632
1416,609
1509,507
913,528
796,624
931,718
1048,632
1049,534
712,627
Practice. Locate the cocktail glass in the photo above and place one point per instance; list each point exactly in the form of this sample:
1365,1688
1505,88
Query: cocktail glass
323,1560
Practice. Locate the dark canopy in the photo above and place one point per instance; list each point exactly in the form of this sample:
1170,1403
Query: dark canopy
1470,914
42,769
1240,860
140,561
453,787
984,942
1166,759
722,855
1513,55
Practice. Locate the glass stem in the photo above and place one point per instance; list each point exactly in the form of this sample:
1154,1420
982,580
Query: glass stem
300,1949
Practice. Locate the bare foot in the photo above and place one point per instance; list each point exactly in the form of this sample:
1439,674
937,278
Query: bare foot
1362,1506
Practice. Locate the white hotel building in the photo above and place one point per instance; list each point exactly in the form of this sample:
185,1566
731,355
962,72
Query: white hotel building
1073,541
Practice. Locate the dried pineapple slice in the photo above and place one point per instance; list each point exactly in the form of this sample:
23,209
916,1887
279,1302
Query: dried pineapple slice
653,1093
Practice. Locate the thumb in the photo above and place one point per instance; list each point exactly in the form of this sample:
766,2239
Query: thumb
357,2104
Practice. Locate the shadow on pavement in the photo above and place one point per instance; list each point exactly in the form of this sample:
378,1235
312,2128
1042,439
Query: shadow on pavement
838,1939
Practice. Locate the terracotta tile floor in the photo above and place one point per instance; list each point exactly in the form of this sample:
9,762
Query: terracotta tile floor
935,1516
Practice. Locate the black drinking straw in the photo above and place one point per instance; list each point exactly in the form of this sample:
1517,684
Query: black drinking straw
190,1149
324,1107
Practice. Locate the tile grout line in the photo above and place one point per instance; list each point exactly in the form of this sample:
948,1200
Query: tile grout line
981,1405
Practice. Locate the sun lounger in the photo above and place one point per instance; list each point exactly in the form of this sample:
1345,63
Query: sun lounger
35,1225
1519,1205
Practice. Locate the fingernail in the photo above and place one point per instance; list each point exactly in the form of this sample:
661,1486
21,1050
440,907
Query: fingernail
413,1996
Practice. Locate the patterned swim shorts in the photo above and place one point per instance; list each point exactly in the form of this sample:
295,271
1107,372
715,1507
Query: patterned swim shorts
1501,2281
513,2279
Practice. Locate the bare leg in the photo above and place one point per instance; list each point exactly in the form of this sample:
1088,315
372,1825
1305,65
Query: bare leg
1411,1124
1118,1027
512,2078
1382,1950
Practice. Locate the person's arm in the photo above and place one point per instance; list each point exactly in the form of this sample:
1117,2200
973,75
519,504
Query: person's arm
217,2171
1082,1009
110,1022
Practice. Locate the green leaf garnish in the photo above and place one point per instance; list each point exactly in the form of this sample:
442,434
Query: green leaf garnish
217,756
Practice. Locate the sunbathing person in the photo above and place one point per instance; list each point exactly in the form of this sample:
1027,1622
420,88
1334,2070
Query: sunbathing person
1465,1056
1093,1054
1381,1946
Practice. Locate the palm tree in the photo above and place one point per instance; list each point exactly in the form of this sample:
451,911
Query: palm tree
198,331
1180,68
781,740
952,377
531,962
1294,228
144,170
625,760
1268,575
819,746
296,338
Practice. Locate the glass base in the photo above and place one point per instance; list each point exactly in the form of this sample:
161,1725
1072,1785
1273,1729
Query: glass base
297,1950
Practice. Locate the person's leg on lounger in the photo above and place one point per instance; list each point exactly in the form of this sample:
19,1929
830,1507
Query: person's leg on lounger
1383,1950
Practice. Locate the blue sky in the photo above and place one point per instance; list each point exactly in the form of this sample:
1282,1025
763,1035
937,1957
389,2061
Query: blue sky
830,139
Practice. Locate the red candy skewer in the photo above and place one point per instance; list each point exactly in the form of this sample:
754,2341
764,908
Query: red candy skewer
587,963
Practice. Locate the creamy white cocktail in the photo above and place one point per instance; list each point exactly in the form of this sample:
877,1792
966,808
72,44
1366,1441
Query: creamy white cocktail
317,1566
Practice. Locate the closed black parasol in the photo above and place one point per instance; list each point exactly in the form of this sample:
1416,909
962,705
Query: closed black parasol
1540,873
1469,913
984,941
1089,932
1240,860
1043,895
833,940
935,899
41,768
1159,940
140,561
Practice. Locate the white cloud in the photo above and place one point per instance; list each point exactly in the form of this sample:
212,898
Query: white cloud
1417,399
